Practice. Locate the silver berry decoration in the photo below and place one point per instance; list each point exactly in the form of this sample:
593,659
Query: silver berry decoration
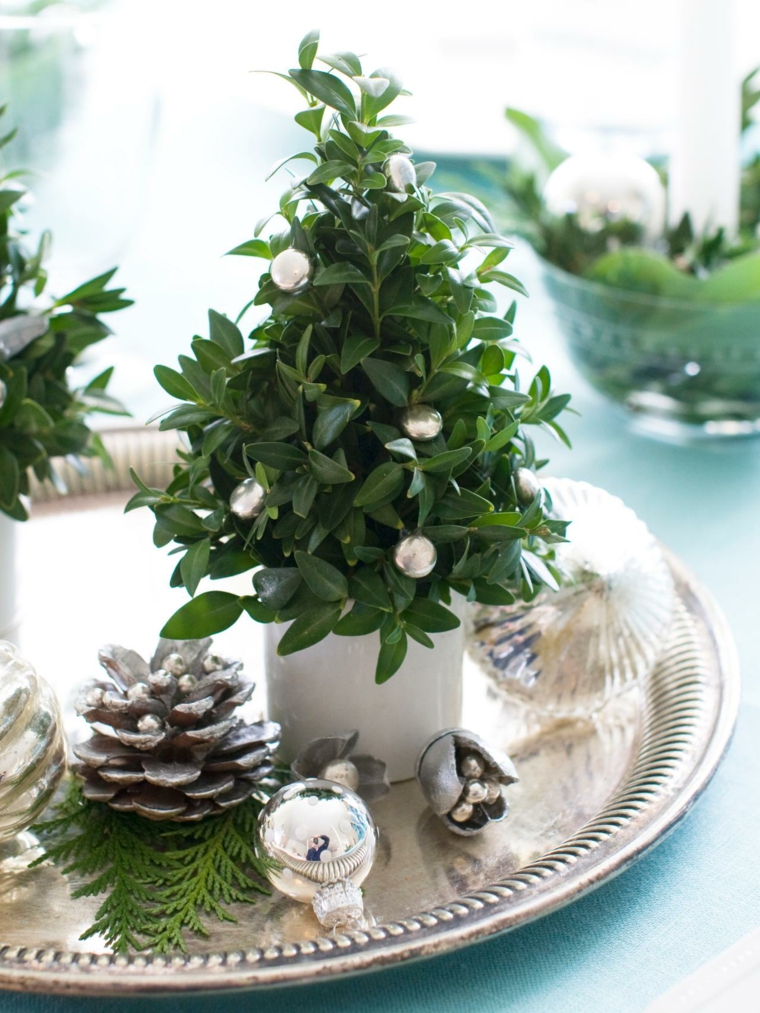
3,393
247,499
415,556
174,664
527,486
291,271
400,172
421,422
186,683
471,765
332,758
213,663
342,772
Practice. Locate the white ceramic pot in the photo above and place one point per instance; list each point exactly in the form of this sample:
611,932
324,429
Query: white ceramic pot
8,604
331,687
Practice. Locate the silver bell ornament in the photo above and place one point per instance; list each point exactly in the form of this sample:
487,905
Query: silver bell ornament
462,778
604,188
32,746
415,556
527,485
400,173
568,652
291,270
322,840
421,422
247,499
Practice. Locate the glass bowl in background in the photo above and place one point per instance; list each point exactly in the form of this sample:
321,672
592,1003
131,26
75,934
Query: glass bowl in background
684,369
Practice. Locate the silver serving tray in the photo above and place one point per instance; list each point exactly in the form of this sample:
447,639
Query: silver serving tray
591,800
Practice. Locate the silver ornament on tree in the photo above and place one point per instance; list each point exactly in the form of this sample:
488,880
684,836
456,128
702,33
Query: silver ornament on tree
421,422
527,485
247,499
3,392
332,758
18,332
400,173
604,188
291,270
462,778
415,556
32,748
322,840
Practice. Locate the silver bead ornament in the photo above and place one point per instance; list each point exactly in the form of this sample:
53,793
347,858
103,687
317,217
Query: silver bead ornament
400,173
3,392
247,499
415,556
32,744
186,683
603,188
323,840
342,772
174,664
421,422
466,805
333,758
527,485
291,271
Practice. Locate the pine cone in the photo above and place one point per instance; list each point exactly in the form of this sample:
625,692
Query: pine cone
173,749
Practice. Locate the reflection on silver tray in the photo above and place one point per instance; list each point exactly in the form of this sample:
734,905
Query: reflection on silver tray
592,797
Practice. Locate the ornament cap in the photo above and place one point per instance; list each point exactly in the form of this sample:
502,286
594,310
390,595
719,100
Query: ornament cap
338,903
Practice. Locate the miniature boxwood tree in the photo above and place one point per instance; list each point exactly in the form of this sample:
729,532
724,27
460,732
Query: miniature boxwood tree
372,424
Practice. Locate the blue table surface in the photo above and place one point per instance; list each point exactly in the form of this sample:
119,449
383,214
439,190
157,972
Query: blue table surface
699,891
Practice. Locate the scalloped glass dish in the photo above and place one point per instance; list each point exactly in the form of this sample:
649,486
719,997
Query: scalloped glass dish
684,369
572,651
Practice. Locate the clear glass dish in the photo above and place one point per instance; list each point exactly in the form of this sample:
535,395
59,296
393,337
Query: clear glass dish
683,368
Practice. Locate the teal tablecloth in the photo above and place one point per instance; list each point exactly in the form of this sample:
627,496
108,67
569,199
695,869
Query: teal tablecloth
690,898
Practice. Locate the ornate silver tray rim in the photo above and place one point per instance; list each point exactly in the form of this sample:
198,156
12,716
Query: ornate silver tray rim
687,729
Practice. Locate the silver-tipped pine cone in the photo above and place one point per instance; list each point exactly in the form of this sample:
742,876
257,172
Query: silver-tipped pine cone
168,743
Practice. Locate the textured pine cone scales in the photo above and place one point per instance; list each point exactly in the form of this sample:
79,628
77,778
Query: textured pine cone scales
168,745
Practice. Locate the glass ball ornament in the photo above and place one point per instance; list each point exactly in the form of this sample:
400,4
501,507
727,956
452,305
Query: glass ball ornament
291,271
421,422
247,499
32,745
400,173
323,839
415,556
3,392
527,485
605,188
569,652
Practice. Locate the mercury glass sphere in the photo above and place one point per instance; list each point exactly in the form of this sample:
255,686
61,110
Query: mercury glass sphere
421,422
603,188
291,271
400,172
247,499
319,833
32,747
415,556
527,485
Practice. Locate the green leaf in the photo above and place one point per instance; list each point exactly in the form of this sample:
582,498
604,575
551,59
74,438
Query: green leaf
446,461
309,628
367,586
174,383
500,439
359,622
9,477
402,446
430,616
507,280
251,248
194,565
203,616
446,533
276,585
341,273
491,329
328,89
550,153
422,309
331,422
328,171
381,486
324,580
304,494
283,456
390,659
327,471
307,49
225,333
389,380
356,348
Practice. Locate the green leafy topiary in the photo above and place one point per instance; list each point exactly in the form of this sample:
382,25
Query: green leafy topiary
41,416
397,313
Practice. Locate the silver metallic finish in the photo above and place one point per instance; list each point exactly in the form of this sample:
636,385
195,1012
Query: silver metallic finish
415,556
3,392
174,664
291,271
400,172
527,485
332,757
593,798
421,422
18,332
342,772
32,749
247,499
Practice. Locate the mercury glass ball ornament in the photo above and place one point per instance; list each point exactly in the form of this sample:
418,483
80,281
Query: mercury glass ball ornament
323,839
400,173
32,746
247,499
571,651
527,485
421,422
604,188
3,393
291,271
415,556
